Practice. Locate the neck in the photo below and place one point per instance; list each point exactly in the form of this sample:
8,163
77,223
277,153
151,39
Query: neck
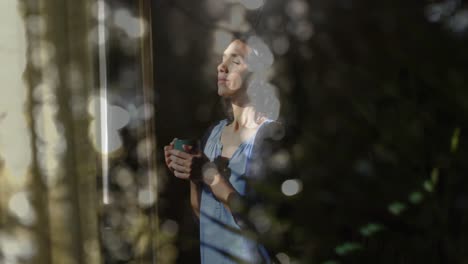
244,116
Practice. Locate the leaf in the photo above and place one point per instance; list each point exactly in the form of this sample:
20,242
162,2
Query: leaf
428,186
370,229
435,176
416,197
347,247
455,140
396,208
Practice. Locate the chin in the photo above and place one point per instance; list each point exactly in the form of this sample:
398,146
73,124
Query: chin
223,91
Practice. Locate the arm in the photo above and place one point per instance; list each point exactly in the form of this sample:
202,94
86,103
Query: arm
231,199
195,197
221,188
195,187
198,170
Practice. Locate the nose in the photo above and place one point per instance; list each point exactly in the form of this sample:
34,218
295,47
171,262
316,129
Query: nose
222,67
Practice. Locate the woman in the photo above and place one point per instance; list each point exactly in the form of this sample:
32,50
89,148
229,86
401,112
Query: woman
221,173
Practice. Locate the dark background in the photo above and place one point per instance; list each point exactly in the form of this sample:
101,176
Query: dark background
375,106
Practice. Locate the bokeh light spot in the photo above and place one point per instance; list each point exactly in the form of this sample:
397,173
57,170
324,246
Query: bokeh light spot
170,227
146,198
297,9
459,22
132,26
144,150
237,17
283,258
281,45
20,207
36,25
291,187
214,7
252,4
105,135
124,177
260,219
222,38
280,160
16,247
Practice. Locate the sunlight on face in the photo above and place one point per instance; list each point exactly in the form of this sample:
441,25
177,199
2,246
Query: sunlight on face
232,71
245,70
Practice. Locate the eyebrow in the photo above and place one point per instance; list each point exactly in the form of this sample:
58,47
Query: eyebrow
234,55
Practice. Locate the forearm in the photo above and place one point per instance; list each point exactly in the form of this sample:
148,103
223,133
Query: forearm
221,188
232,200
195,196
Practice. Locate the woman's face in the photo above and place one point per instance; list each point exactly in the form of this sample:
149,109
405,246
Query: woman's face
232,71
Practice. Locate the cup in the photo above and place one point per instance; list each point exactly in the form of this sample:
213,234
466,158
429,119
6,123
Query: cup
179,144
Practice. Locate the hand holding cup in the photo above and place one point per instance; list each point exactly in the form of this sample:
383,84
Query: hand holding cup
185,159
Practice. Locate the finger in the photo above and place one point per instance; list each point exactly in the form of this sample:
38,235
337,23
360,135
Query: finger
180,161
168,147
181,168
180,154
187,147
166,150
173,142
199,154
168,161
169,165
181,175
166,155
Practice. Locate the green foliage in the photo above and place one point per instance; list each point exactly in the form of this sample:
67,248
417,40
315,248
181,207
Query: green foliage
435,176
455,140
363,88
396,208
370,229
430,183
347,248
428,186
416,197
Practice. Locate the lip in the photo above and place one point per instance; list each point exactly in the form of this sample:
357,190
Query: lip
222,80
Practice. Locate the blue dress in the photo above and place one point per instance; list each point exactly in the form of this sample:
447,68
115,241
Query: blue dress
221,239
